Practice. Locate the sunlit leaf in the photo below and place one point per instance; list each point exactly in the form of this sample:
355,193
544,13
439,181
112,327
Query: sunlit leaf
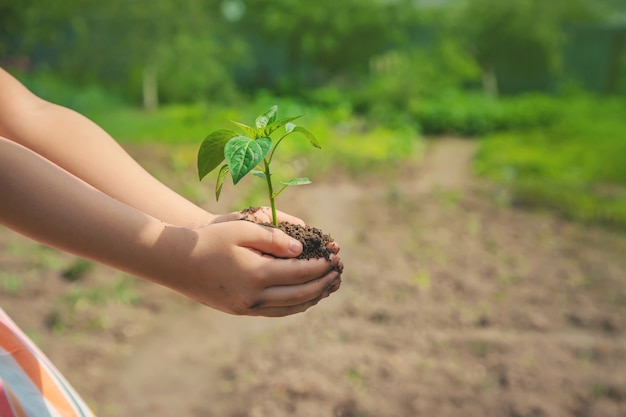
224,170
249,131
211,152
297,181
271,114
261,122
310,136
259,174
244,154
277,125
266,118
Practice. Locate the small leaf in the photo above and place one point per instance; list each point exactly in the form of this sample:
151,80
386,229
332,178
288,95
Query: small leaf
277,125
211,152
297,181
289,127
310,136
266,118
244,154
271,113
259,174
249,131
224,170
261,122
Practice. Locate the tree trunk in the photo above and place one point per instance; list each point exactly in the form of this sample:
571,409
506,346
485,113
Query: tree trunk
490,82
615,63
150,88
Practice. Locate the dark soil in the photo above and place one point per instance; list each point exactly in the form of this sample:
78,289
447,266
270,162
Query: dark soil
315,243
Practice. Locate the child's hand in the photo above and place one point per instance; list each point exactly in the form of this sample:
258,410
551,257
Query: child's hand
264,215
242,268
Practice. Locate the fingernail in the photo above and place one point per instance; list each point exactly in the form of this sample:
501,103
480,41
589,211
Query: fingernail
334,247
295,246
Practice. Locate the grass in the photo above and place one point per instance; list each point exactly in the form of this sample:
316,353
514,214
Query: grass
174,124
354,141
80,307
35,254
577,167
421,280
10,283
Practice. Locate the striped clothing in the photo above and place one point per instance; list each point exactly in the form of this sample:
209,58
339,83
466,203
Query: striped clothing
30,385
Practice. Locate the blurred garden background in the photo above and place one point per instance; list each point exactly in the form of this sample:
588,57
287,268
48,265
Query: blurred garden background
524,99
541,84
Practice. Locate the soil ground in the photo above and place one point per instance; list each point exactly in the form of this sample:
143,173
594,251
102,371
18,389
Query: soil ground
451,305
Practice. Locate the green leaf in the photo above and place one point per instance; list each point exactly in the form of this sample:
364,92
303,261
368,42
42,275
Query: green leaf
244,154
297,181
272,113
277,125
224,170
211,152
259,174
249,131
266,118
310,136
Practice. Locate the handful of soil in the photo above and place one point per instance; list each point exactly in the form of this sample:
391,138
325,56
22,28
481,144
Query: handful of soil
314,241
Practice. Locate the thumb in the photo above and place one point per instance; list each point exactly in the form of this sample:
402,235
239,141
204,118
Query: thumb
271,241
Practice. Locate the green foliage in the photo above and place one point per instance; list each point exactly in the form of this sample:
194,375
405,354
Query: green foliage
400,77
521,40
373,52
173,123
576,167
477,114
77,270
359,144
80,307
116,44
360,148
206,49
87,99
244,153
324,39
10,283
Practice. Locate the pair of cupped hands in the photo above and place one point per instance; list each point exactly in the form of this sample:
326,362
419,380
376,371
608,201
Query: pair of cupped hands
253,269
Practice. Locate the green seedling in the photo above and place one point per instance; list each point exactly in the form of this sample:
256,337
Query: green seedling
250,152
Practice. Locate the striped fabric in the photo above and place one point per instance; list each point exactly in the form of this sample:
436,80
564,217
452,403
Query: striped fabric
30,385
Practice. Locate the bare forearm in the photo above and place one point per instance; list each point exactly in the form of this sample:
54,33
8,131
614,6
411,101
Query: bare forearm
52,206
79,146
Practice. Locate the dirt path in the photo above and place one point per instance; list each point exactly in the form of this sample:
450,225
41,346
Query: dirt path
169,358
447,165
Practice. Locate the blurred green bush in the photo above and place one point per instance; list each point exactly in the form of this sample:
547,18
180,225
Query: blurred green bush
473,114
91,99
575,166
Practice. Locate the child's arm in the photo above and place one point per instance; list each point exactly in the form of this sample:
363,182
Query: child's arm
79,146
221,265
